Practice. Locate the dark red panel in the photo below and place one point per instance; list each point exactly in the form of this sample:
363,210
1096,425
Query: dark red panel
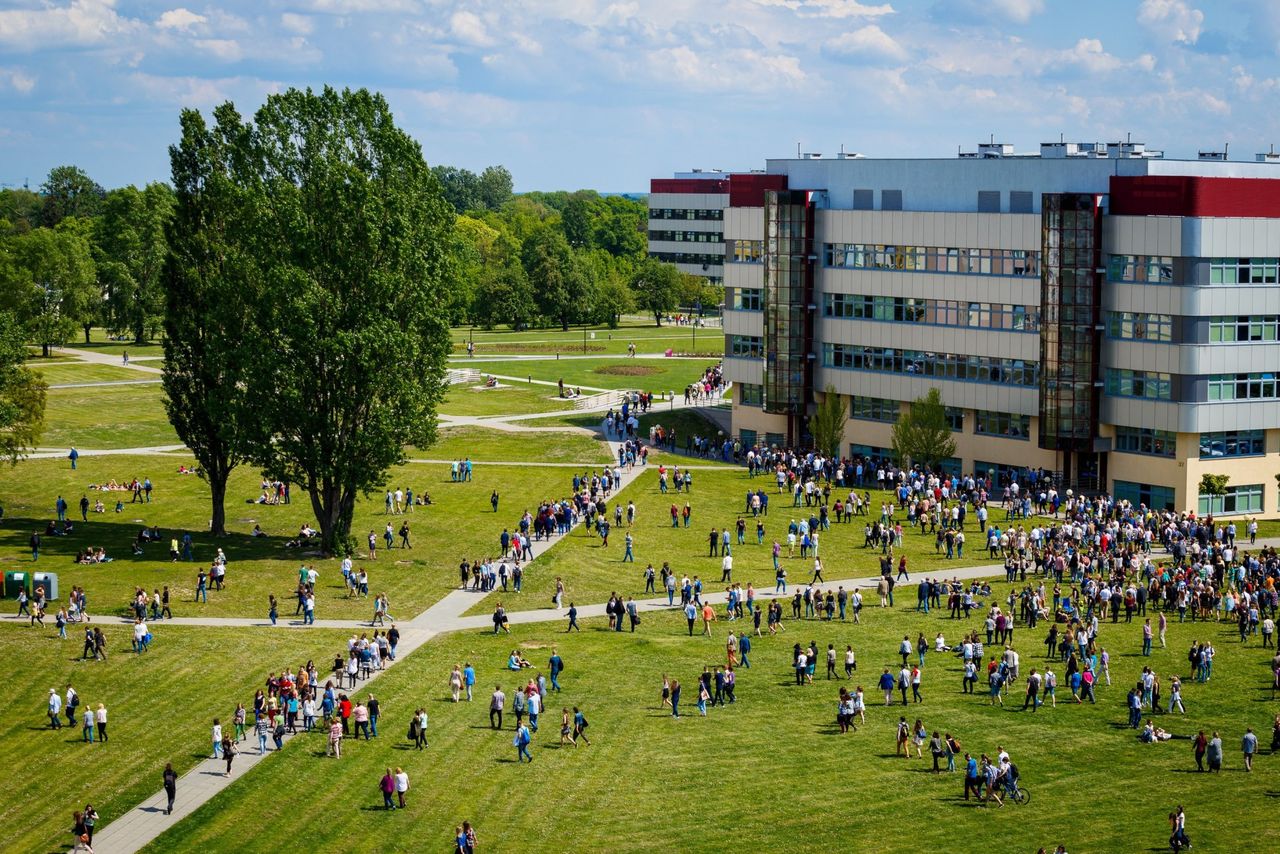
747,190
689,185
1188,195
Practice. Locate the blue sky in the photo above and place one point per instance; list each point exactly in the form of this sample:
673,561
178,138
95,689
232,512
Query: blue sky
608,93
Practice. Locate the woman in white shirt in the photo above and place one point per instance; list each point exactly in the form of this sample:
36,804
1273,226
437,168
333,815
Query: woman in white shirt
402,785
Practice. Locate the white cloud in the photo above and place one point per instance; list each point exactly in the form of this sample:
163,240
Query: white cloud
468,28
830,8
80,23
296,23
1172,20
180,19
19,81
1020,11
732,71
869,42
227,50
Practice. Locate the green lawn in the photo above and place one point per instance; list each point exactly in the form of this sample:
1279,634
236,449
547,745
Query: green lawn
655,375
160,706
127,416
647,337
591,572
100,342
460,523
771,768
483,443
506,399
84,372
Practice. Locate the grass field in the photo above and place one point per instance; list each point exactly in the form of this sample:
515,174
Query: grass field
507,399
160,706
127,416
655,375
647,337
483,443
770,772
460,523
81,372
591,572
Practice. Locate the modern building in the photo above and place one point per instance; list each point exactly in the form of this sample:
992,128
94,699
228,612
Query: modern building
1094,310
686,222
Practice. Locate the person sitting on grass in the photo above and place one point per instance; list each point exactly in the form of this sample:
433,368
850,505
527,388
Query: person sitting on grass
257,531
517,661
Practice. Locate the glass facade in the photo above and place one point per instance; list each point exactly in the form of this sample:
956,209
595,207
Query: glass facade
788,296
1070,301
932,259
1154,497
1238,499
1233,443
1142,440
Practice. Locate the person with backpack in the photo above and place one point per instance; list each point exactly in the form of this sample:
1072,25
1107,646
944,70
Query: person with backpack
521,743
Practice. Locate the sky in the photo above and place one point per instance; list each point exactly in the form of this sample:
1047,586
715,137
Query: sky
595,94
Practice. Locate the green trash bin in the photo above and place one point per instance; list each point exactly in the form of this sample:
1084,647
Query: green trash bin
47,580
14,582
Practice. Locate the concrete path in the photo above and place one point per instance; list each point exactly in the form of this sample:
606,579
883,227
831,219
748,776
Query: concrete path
139,826
94,357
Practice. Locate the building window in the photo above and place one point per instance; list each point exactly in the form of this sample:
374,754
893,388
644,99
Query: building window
977,315
890,200
1243,271
1153,497
688,236
933,259
686,213
1147,384
1238,499
988,201
1143,269
746,346
1233,443
871,452
955,418
874,408
1000,474
713,256
750,394
748,438
1139,440
1264,327
1001,424
748,299
1136,326
1242,386
945,366
746,251
1020,201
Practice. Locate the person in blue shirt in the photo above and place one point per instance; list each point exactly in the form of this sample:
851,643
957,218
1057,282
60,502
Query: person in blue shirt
690,614
556,666
469,679
744,647
970,776
886,685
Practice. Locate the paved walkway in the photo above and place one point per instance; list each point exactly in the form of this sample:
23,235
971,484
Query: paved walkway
95,357
139,826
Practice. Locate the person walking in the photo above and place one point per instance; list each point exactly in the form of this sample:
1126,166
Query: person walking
228,752
521,743
170,778
1249,746
387,785
335,739
402,785
100,717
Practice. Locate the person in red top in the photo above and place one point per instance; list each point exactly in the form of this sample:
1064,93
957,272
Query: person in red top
344,709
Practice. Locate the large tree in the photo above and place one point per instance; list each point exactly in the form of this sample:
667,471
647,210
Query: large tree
561,289
922,436
826,425
50,282
22,393
129,237
211,290
494,186
657,287
351,241
68,192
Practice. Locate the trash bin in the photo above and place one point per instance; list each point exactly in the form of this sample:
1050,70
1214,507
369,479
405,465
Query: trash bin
14,582
47,580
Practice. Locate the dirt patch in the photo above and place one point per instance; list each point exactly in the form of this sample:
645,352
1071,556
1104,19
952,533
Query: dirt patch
540,347
627,370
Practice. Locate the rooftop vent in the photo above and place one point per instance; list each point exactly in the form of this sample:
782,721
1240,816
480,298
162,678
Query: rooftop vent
1271,156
